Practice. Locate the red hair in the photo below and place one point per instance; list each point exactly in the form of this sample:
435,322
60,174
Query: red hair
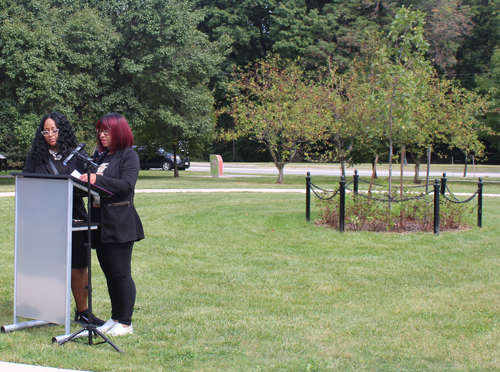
121,134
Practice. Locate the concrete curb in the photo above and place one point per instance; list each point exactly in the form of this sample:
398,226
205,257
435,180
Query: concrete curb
14,367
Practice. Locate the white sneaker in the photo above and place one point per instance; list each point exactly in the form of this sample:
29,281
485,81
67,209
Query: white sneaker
120,330
107,326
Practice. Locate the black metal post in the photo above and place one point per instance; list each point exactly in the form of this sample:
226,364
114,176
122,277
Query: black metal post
443,184
342,205
308,197
436,207
356,181
480,203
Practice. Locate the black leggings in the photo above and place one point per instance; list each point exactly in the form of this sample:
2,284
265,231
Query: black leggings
115,259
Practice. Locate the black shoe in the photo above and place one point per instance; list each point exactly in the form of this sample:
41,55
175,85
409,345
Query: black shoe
83,318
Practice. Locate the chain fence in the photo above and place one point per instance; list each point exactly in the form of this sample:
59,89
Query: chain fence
440,188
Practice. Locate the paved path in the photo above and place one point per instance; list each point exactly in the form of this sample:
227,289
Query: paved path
334,170
14,367
301,191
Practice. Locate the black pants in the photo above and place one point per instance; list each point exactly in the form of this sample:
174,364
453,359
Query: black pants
115,260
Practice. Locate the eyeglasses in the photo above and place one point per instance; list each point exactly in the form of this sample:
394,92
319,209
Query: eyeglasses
105,132
45,133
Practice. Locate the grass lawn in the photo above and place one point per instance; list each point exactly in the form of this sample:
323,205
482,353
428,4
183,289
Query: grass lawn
240,282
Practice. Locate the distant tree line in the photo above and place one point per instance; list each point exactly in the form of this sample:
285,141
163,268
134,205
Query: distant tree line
462,37
168,65
390,98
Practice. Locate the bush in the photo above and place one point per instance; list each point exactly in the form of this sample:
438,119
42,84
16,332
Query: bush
372,213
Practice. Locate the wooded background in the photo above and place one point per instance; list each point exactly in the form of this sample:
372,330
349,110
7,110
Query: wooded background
168,66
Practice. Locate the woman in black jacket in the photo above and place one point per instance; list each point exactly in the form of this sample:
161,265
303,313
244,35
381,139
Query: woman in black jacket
54,141
120,225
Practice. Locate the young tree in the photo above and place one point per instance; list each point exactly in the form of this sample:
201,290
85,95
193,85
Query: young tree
399,78
449,115
278,107
346,115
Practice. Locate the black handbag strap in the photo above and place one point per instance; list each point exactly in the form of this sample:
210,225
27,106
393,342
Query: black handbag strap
53,165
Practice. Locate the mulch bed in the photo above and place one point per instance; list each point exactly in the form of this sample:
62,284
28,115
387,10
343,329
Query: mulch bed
410,226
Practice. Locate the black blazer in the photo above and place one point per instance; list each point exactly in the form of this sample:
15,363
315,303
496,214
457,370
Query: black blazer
120,222
79,211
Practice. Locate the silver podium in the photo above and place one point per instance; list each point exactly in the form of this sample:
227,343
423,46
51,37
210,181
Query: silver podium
42,248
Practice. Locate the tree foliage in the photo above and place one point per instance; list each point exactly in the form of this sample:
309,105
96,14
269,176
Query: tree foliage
162,67
276,106
144,59
346,116
414,107
490,86
319,31
164,64
399,78
50,60
476,50
326,32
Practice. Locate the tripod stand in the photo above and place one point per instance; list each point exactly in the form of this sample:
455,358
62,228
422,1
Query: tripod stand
90,328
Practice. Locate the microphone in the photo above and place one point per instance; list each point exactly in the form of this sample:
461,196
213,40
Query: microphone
78,148
90,162
98,158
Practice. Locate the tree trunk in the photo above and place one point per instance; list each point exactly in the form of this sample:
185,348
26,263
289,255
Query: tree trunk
280,173
374,174
374,168
279,163
176,171
416,177
465,166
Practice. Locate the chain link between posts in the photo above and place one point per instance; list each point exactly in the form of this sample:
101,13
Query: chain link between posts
392,200
439,188
394,186
316,189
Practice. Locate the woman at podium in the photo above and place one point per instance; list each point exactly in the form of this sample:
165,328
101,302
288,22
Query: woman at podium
120,225
54,141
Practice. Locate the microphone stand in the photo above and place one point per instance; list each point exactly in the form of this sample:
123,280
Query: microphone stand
90,327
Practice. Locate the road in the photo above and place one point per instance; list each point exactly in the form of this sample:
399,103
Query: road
328,171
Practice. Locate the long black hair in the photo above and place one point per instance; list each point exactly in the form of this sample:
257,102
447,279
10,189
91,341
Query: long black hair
39,153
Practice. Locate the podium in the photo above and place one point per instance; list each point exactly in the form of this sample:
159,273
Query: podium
42,247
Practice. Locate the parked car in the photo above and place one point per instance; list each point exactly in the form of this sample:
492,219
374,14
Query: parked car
162,159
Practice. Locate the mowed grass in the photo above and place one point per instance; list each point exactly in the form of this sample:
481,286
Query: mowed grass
240,282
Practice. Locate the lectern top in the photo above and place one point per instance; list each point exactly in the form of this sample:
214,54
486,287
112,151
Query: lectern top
94,189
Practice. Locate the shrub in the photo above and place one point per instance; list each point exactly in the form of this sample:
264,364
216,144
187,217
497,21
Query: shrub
415,212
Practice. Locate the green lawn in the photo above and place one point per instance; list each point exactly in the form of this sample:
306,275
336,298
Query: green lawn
240,282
